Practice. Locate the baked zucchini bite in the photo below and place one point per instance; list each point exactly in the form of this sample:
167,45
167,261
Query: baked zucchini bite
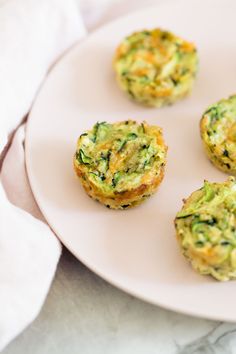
206,229
155,67
121,164
218,133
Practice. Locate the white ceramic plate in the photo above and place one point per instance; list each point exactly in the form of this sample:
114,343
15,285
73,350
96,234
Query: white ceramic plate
134,249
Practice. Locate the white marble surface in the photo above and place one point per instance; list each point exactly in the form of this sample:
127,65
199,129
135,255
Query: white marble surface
85,315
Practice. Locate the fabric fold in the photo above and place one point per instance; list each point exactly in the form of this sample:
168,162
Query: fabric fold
33,34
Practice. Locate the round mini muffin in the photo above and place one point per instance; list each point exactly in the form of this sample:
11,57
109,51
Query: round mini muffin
218,133
206,229
121,164
155,67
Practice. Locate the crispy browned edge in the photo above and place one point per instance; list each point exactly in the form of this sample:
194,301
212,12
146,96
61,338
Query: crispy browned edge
116,200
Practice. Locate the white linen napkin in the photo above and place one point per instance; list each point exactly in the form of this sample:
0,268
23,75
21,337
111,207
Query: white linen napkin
32,36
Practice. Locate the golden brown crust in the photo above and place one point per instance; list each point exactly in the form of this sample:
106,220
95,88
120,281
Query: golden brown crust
129,198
